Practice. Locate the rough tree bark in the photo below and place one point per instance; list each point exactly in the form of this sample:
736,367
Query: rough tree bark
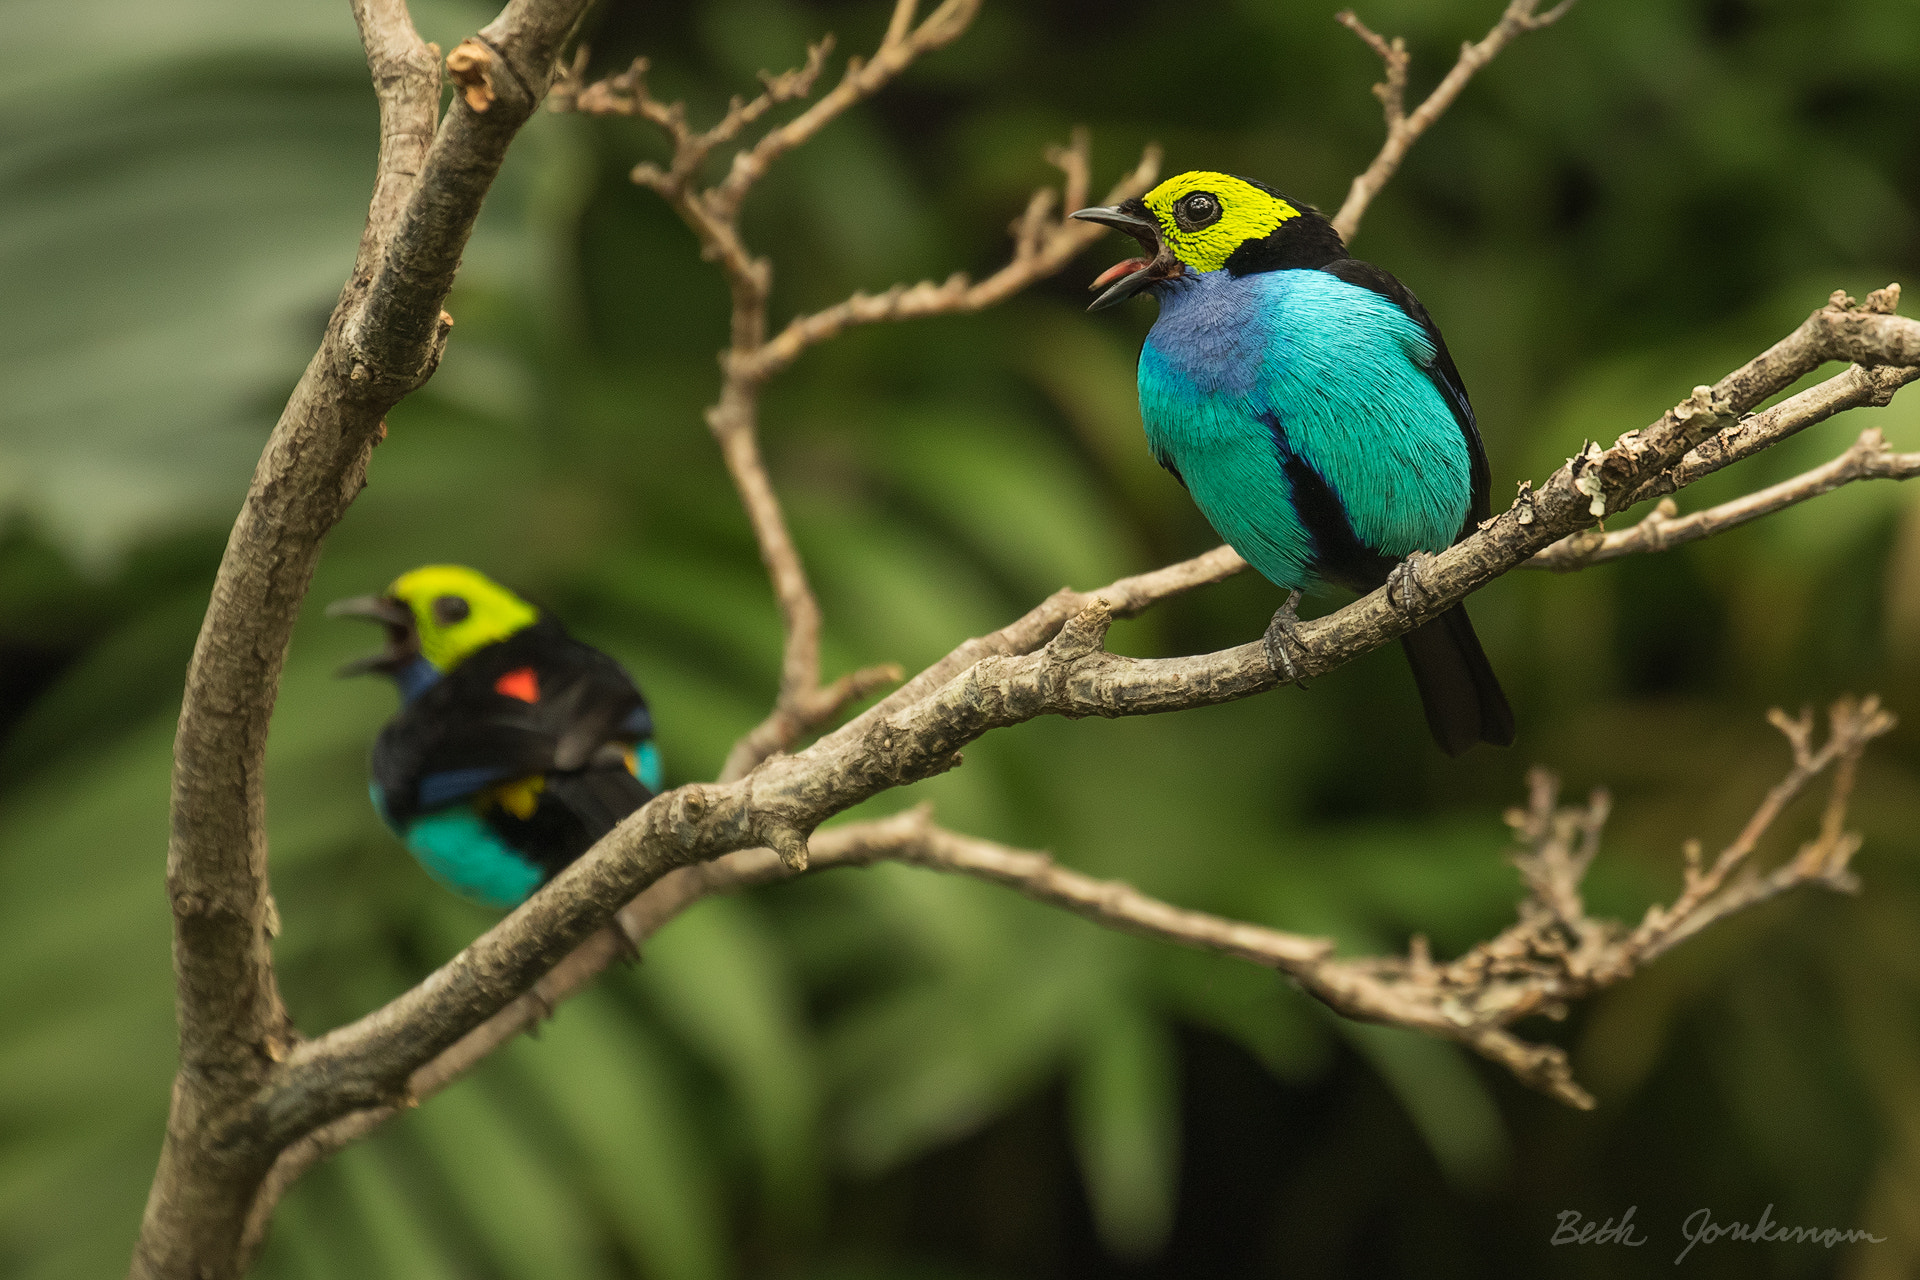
382,340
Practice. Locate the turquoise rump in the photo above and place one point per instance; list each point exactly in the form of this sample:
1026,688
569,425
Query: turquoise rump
1310,406
461,847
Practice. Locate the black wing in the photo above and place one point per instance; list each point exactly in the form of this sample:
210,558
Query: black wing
1446,378
477,726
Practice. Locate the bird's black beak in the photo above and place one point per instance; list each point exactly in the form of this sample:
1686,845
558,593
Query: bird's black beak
403,641
1124,279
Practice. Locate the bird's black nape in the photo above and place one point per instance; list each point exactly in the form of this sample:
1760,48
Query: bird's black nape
1304,242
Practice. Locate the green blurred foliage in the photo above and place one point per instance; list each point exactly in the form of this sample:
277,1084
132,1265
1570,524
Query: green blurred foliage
886,1073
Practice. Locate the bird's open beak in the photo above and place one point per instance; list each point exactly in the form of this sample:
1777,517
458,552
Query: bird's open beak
403,641
1124,279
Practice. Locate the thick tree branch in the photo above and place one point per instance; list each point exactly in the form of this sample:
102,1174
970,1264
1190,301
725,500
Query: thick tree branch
382,340
406,80
1404,127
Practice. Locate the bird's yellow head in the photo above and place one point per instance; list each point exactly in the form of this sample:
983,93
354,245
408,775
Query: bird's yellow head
1204,221
457,611
442,613
1205,217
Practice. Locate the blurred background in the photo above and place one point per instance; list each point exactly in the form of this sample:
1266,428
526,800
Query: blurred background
886,1074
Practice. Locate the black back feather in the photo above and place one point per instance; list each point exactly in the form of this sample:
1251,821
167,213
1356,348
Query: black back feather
463,734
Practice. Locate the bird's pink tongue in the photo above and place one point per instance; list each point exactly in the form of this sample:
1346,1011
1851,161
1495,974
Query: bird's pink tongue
1117,270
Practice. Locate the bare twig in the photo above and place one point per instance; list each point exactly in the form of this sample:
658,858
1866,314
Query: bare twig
1555,954
1044,241
1404,127
1714,892
1043,244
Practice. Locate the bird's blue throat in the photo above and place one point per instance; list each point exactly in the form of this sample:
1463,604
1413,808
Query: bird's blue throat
416,678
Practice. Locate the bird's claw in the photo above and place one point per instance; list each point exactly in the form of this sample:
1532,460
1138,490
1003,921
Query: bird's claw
1406,588
1282,640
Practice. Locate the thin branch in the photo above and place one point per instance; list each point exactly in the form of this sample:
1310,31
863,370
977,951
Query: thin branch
1129,597
1555,954
1404,127
1718,891
1044,241
903,42
1860,386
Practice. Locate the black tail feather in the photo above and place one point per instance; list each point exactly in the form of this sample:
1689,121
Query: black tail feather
598,798
1461,694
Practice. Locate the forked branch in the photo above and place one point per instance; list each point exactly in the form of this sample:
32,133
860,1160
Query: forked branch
1062,670
1663,528
1868,458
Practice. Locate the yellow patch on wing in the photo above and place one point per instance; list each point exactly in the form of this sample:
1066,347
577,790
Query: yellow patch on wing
1246,213
519,798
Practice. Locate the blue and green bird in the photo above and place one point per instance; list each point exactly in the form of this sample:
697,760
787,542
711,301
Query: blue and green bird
516,747
1308,403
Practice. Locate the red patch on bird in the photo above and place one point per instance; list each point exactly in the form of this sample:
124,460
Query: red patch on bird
519,683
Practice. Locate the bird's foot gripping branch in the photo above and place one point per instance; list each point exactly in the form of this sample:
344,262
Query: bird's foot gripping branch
1282,640
255,1104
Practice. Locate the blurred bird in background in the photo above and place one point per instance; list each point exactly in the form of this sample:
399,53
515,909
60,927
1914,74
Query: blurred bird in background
516,747
1308,403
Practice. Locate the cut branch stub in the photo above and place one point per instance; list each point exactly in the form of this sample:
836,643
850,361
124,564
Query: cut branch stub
470,66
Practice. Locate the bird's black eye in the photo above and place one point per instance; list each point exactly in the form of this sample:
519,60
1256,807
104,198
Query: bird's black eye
448,610
1201,209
